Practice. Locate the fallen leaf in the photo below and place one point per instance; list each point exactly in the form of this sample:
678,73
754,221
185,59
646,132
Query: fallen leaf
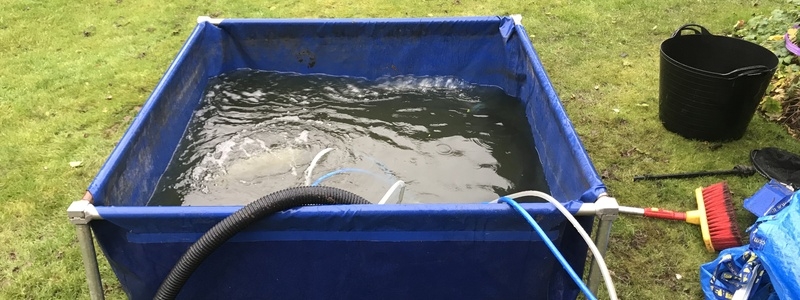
89,31
608,174
75,164
628,153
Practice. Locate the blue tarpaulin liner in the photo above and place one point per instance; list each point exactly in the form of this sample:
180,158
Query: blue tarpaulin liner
428,251
770,260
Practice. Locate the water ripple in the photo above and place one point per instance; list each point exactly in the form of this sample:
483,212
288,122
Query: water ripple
256,133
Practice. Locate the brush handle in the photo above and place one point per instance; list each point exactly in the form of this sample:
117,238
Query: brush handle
664,214
652,212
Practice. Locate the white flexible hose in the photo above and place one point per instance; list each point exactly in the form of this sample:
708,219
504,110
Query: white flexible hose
601,263
314,161
399,184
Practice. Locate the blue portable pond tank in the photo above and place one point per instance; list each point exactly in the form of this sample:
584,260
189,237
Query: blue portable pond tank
419,251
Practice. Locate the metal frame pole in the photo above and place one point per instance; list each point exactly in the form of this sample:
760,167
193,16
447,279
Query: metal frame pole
606,208
90,261
81,213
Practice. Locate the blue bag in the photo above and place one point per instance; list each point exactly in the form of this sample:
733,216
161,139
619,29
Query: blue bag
770,264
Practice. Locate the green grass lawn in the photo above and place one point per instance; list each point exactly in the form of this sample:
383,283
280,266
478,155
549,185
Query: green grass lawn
74,73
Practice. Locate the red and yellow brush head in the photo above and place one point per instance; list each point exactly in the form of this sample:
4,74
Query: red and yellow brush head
714,214
717,217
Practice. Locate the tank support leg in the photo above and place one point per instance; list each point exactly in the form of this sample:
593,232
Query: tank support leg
81,213
607,210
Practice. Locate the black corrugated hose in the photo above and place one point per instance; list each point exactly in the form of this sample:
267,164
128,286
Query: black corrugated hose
239,220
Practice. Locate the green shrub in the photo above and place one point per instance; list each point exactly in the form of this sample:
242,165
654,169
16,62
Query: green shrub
769,31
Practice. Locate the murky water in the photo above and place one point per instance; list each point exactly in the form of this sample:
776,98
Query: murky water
257,132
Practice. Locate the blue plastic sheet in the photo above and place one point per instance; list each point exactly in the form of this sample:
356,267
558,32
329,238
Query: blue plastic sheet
769,261
388,252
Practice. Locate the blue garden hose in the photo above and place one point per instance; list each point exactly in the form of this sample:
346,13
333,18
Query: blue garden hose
550,246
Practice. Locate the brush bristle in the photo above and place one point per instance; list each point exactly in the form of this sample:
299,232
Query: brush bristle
722,225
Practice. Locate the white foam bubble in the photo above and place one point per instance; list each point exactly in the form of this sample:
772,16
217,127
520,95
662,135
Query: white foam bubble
220,154
232,95
288,118
302,138
197,173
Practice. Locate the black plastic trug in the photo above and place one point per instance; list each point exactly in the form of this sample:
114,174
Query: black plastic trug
709,85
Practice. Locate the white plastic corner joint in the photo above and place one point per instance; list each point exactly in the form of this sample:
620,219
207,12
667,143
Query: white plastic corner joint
208,19
517,19
605,207
82,212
